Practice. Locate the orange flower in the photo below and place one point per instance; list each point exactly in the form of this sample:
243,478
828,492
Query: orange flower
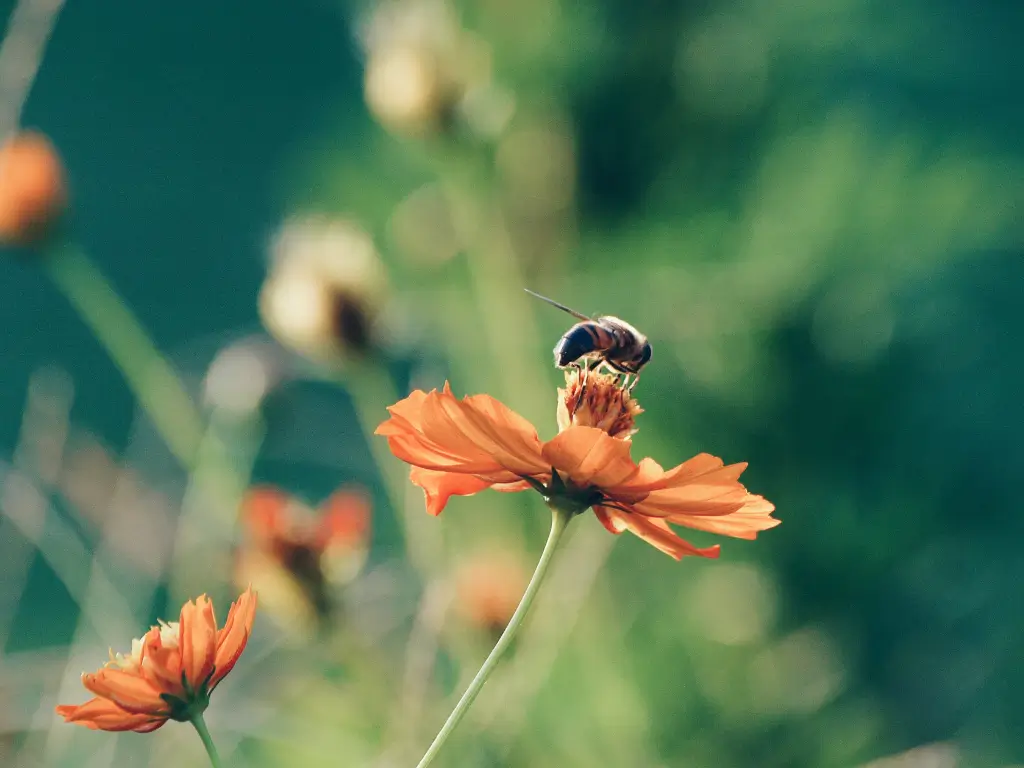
169,673
461,447
488,587
293,553
32,188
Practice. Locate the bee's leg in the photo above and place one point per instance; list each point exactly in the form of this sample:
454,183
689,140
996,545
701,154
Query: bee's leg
621,376
585,368
630,388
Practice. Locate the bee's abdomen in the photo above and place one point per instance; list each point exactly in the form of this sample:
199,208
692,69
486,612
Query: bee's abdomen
582,339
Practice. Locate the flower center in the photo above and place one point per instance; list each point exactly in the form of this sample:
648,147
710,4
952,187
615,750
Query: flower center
595,399
170,632
129,662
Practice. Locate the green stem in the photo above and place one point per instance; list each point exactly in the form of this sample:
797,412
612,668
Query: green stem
559,520
204,735
372,390
149,375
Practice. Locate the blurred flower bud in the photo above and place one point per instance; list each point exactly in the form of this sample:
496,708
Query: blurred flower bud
240,376
425,73
405,90
325,288
488,588
294,555
33,193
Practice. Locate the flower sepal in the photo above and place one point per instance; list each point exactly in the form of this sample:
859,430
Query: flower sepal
566,498
194,703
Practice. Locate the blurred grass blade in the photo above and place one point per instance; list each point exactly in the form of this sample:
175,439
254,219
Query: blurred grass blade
147,372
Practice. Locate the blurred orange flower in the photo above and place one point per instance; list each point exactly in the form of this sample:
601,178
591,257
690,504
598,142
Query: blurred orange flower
32,188
461,447
488,587
170,672
292,552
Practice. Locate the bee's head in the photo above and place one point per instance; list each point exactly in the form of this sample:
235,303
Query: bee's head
644,357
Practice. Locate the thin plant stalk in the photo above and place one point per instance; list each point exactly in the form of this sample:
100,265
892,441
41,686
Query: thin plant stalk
557,615
559,521
496,278
28,30
372,389
148,373
221,473
204,734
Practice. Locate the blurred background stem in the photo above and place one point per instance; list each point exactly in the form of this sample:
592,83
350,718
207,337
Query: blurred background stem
496,277
559,521
221,474
147,372
372,389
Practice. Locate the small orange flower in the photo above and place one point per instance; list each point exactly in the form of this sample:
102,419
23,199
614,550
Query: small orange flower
32,188
488,588
276,520
294,553
461,447
169,673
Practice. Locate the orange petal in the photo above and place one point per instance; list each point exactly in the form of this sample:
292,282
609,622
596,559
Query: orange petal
408,442
666,506
345,519
198,640
476,435
519,485
420,452
590,456
438,487
701,486
442,419
232,638
485,425
103,715
754,516
610,520
263,512
131,692
518,435
405,415
162,668
653,531
652,477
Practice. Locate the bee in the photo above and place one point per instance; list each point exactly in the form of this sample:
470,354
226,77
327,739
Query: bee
606,339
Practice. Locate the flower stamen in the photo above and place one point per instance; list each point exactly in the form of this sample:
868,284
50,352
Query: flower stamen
594,399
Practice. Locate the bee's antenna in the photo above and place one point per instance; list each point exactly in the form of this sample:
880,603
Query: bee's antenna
552,302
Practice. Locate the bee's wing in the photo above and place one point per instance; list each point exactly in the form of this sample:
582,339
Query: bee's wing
552,302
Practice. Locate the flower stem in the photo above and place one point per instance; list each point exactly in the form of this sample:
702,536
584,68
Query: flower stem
204,734
148,373
559,521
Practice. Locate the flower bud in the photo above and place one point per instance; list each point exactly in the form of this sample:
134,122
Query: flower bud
33,193
405,89
322,295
